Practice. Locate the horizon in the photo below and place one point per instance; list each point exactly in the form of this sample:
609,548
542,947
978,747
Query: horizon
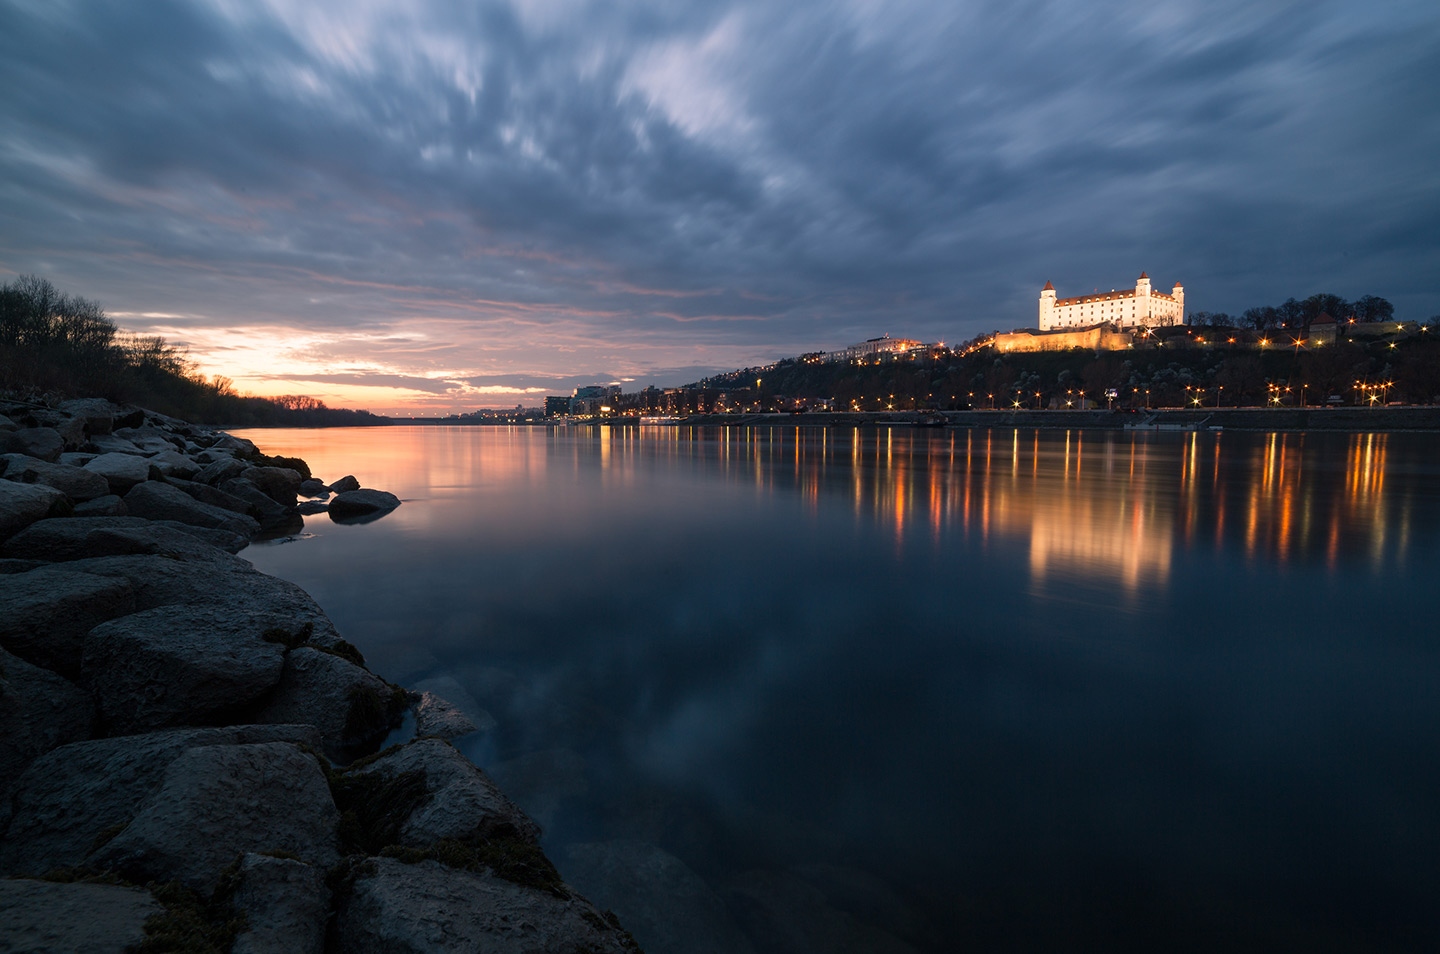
424,211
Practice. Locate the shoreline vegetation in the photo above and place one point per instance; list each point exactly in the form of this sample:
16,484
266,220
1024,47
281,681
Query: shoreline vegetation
190,753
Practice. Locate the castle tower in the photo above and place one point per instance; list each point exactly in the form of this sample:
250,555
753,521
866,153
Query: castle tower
1179,293
1144,313
1047,306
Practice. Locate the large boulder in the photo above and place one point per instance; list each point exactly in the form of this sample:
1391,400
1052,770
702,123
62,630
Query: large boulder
429,907
217,497
257,502
180,665
44,443
158,501
78,537
239,445
353,504
158,580
353,708
219,801
172,463
462,801
77,483
285,904
72,799
122,471
38,711
345,484
97,414
221,471
280,484
45,613
313,487
437,718
110,444
656,895
43,917
107,506
150,439
23,504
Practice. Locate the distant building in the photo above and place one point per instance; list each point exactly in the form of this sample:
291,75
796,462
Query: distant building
556,405
873,347
594,398
1140,307
1100,337
1322,330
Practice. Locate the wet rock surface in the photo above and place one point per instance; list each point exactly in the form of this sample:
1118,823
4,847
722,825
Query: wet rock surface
42,916
428,906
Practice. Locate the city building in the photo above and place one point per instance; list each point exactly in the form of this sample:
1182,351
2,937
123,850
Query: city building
556,405
873,347
1140,307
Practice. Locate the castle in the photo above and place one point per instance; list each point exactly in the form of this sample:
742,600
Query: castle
1140,308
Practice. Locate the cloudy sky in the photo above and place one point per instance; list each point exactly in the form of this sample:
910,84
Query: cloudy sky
436,206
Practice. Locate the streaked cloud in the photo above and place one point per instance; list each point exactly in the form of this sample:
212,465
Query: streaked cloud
563,191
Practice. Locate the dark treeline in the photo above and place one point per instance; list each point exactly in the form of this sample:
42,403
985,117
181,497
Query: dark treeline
53,344
1299,314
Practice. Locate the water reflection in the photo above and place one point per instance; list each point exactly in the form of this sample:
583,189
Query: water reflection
1034,690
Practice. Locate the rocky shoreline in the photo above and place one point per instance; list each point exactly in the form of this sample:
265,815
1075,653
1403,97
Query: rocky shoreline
188,748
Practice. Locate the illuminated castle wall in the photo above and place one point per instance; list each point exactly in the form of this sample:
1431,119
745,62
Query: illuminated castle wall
1141,307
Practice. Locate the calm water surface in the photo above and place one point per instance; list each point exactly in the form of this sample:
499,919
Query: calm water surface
791,689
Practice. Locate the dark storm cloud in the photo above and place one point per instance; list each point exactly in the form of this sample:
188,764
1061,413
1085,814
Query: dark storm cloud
708,184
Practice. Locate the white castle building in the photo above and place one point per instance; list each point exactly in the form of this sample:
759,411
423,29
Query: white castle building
1137,308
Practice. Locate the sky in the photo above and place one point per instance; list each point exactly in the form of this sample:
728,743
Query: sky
429,207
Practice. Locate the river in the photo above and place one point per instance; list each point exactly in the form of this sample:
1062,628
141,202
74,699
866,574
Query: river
785,689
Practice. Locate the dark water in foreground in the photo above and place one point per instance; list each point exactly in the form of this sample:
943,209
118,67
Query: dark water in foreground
895,689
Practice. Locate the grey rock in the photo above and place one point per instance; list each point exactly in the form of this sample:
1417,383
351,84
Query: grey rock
78,537
41,917
427,907
71,798
150,439
286,906
110,444
438,718
97,414
123,471
238,444
70,429
107,506
280,484
45,613
308,508
463,800
180,665
76,458
220,801
221,470
359,503
158,580
8,425
77,483
346,483
214,496
312,487
38,711
255,500
23,504
320,689
780,911
667,906
172,463
9,565
44,443
158,501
